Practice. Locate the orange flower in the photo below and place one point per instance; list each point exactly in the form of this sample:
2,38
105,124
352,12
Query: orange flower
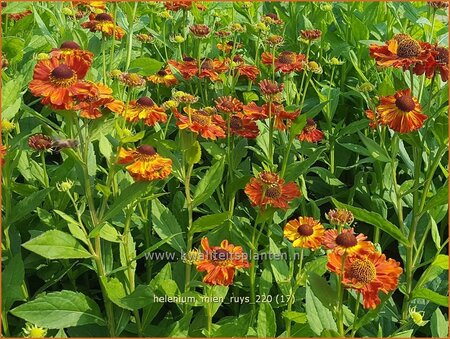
373,117
187,68
145,109
58,82
3,150
104,23
40,142
347,242
272,19
70,49
221,262
286,62
92,5
267,111
270,88
204,122
164,76
340,217
243,126
145,163
228,104
436,62
269,189
367,273
228,46
401,112
401,51
200,30
90,106
310,133
249,71
211,69
311,34
304,232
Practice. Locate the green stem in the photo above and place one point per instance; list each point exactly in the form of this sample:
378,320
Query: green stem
209,305
113,38
293,291
354,329
340,315
104,57
130,37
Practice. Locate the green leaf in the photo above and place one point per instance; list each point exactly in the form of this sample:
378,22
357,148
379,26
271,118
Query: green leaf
435,269
298,168
24,207
55,244
265,282
438,199
180,329
249,97
208,184
297,317
326,176
208,222
155,246
403,334
115,291
267,326
145,66
12,278
237,327
435,233
374,219
194,153
141,297
322,290
60,310
128,195
425,293
375,150
439,326
13,48
44,30
280,269
319,317
165,224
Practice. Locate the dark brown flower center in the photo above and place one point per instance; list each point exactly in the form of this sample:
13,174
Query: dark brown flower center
405,103
401,36
200,30
268,177
235,123
408,48
145,101
273,192
70,45
346,239
286,58
62,72
442,56
305,230
201,118
188,59
362,270
103,17
208,64
146,149
162,73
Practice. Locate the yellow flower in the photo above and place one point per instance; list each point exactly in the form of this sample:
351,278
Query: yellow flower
417,317
7,126
166,15
43,56
33,331
64,186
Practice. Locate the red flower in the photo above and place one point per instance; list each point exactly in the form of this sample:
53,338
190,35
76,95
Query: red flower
268,189
145,109
249,71
310,133
90,106
204,122
187,68
228,104
70,49
373,117
58,82
211,69
243,126
436,62
104,23
267,111
19,16
286,62
164,76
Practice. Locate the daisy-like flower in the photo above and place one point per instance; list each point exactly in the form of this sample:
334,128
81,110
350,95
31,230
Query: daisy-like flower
40,142
310,132
163,76
211,69
373,117
311,34
183,97
304,232
132,79
187,68
347,242
145,38
145,109
182,5
340,217
3,150
243,126
270,88
58,81
437,62
221,262
286,62
367,273
204,122
275,40
282,117
222,33
228,104
34,331
70,49
249,71
271,19
145,164
7,126
268,189
438,4
401,112
104,23
200,30
227,47
91,106
401,51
